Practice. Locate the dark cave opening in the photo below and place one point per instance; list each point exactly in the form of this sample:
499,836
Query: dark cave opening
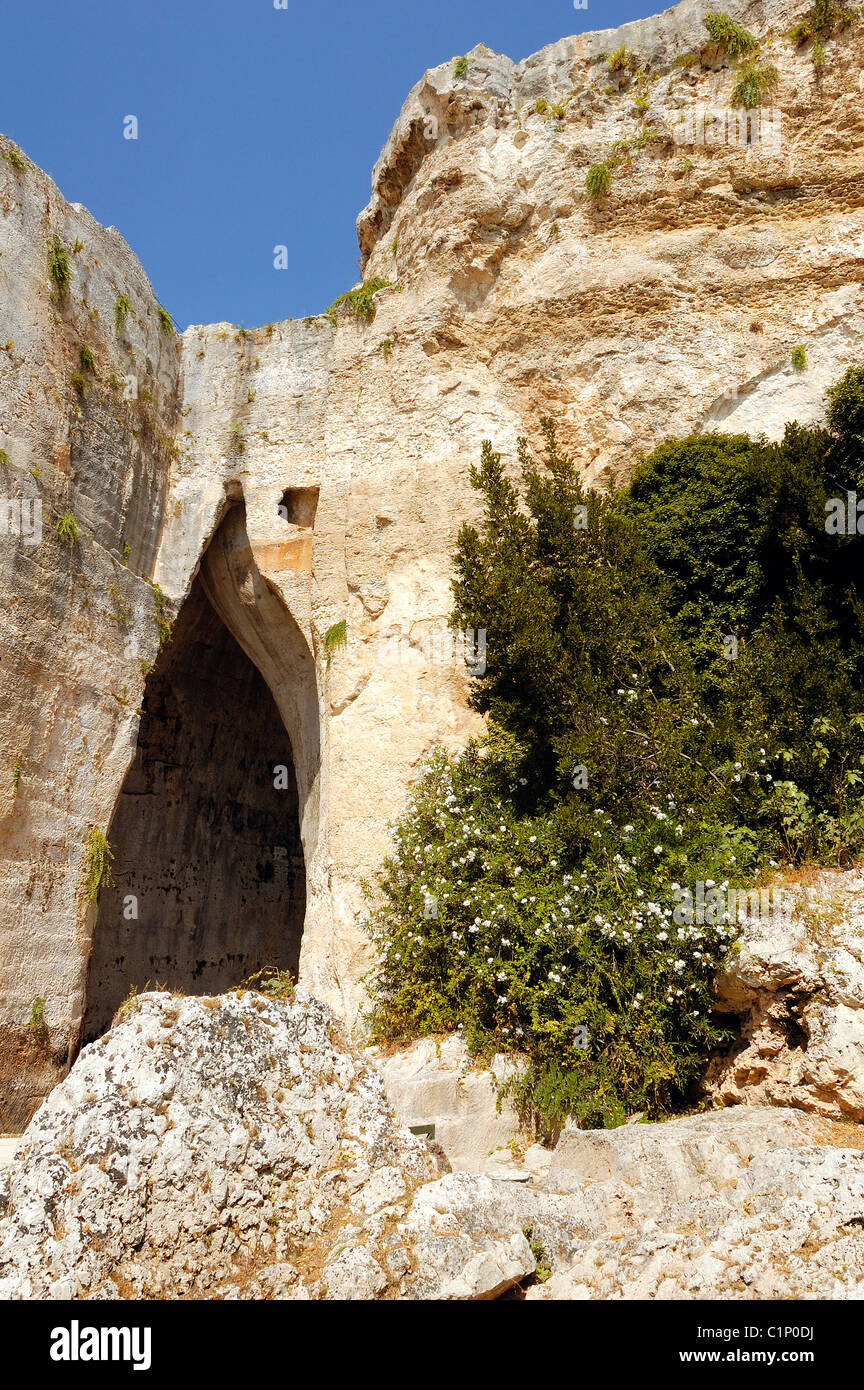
208,877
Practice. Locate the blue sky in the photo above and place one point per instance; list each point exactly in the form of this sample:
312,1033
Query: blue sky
257,126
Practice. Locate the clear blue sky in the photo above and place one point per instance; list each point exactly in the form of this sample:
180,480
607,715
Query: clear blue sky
257,126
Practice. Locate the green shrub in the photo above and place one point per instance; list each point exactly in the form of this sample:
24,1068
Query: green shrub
522,950
819,56
166,323
336,638
530,897
275,983
238,439
16,159
623,60
460,67
598,180
99,858
163,622
122,308
37,1018
16,777
728,36
358,303
67,528
799,358
77,383
756,81
59,268
824,17
85,357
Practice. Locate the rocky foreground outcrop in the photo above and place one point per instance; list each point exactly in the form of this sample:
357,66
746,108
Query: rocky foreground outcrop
238,1147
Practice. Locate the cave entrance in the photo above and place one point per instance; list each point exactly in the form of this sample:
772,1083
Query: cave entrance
209,881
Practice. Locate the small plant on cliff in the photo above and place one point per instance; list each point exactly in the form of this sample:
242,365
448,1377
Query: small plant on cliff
756,81
77,383
163,623
460,67
16,777
727,36
59,268
122,308
598,180
799,358
166,323
819,56
16,159
824,17
4,459
85,358
99,858
335,638
37,1018
238,441
360,302
623,60
277,984
128,1005
67,528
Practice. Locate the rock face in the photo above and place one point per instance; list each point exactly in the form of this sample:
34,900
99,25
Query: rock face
312,473
238,1147
797,984
198,1146
747,1203
434,1081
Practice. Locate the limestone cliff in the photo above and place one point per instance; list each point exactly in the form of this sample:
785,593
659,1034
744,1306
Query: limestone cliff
318,472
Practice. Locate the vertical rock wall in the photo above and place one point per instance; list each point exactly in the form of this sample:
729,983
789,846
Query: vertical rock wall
668,307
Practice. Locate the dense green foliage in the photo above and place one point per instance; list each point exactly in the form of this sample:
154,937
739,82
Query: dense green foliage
674,684
729,37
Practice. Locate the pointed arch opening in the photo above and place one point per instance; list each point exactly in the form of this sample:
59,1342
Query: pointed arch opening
209,875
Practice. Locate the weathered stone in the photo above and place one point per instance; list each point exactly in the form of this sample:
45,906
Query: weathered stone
435,1082
319,472
768,1206
797,983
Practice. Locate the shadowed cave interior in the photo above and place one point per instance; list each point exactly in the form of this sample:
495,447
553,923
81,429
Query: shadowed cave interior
207,848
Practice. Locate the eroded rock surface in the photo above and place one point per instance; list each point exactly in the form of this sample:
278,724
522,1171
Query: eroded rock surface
434,1080
745,1203
238,1147
796,982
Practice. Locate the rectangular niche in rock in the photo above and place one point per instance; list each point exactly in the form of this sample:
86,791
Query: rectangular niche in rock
299,505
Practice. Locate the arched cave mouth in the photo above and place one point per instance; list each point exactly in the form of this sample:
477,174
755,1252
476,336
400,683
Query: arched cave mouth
206,832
